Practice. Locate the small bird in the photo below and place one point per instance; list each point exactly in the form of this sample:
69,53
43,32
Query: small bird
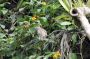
42,33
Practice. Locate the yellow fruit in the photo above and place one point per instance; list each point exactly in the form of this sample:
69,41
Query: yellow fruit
34,18
56,55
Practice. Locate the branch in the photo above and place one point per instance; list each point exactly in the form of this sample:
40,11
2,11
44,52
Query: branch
81,13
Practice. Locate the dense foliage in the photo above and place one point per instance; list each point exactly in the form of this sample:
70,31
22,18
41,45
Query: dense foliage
18,36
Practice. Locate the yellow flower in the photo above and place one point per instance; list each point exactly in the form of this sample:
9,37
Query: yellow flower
43,3
56,55
34,18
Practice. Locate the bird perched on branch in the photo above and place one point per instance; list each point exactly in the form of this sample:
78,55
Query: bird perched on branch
42,33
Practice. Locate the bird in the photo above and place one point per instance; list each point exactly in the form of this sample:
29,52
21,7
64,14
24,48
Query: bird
41,32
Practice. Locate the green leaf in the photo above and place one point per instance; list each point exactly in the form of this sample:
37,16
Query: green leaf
88,3
74,38
39,57
59,17
64,4
65,23
44,21
2,5
55,5
47,56
67,2
4,11
2,35
32,56
72,56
